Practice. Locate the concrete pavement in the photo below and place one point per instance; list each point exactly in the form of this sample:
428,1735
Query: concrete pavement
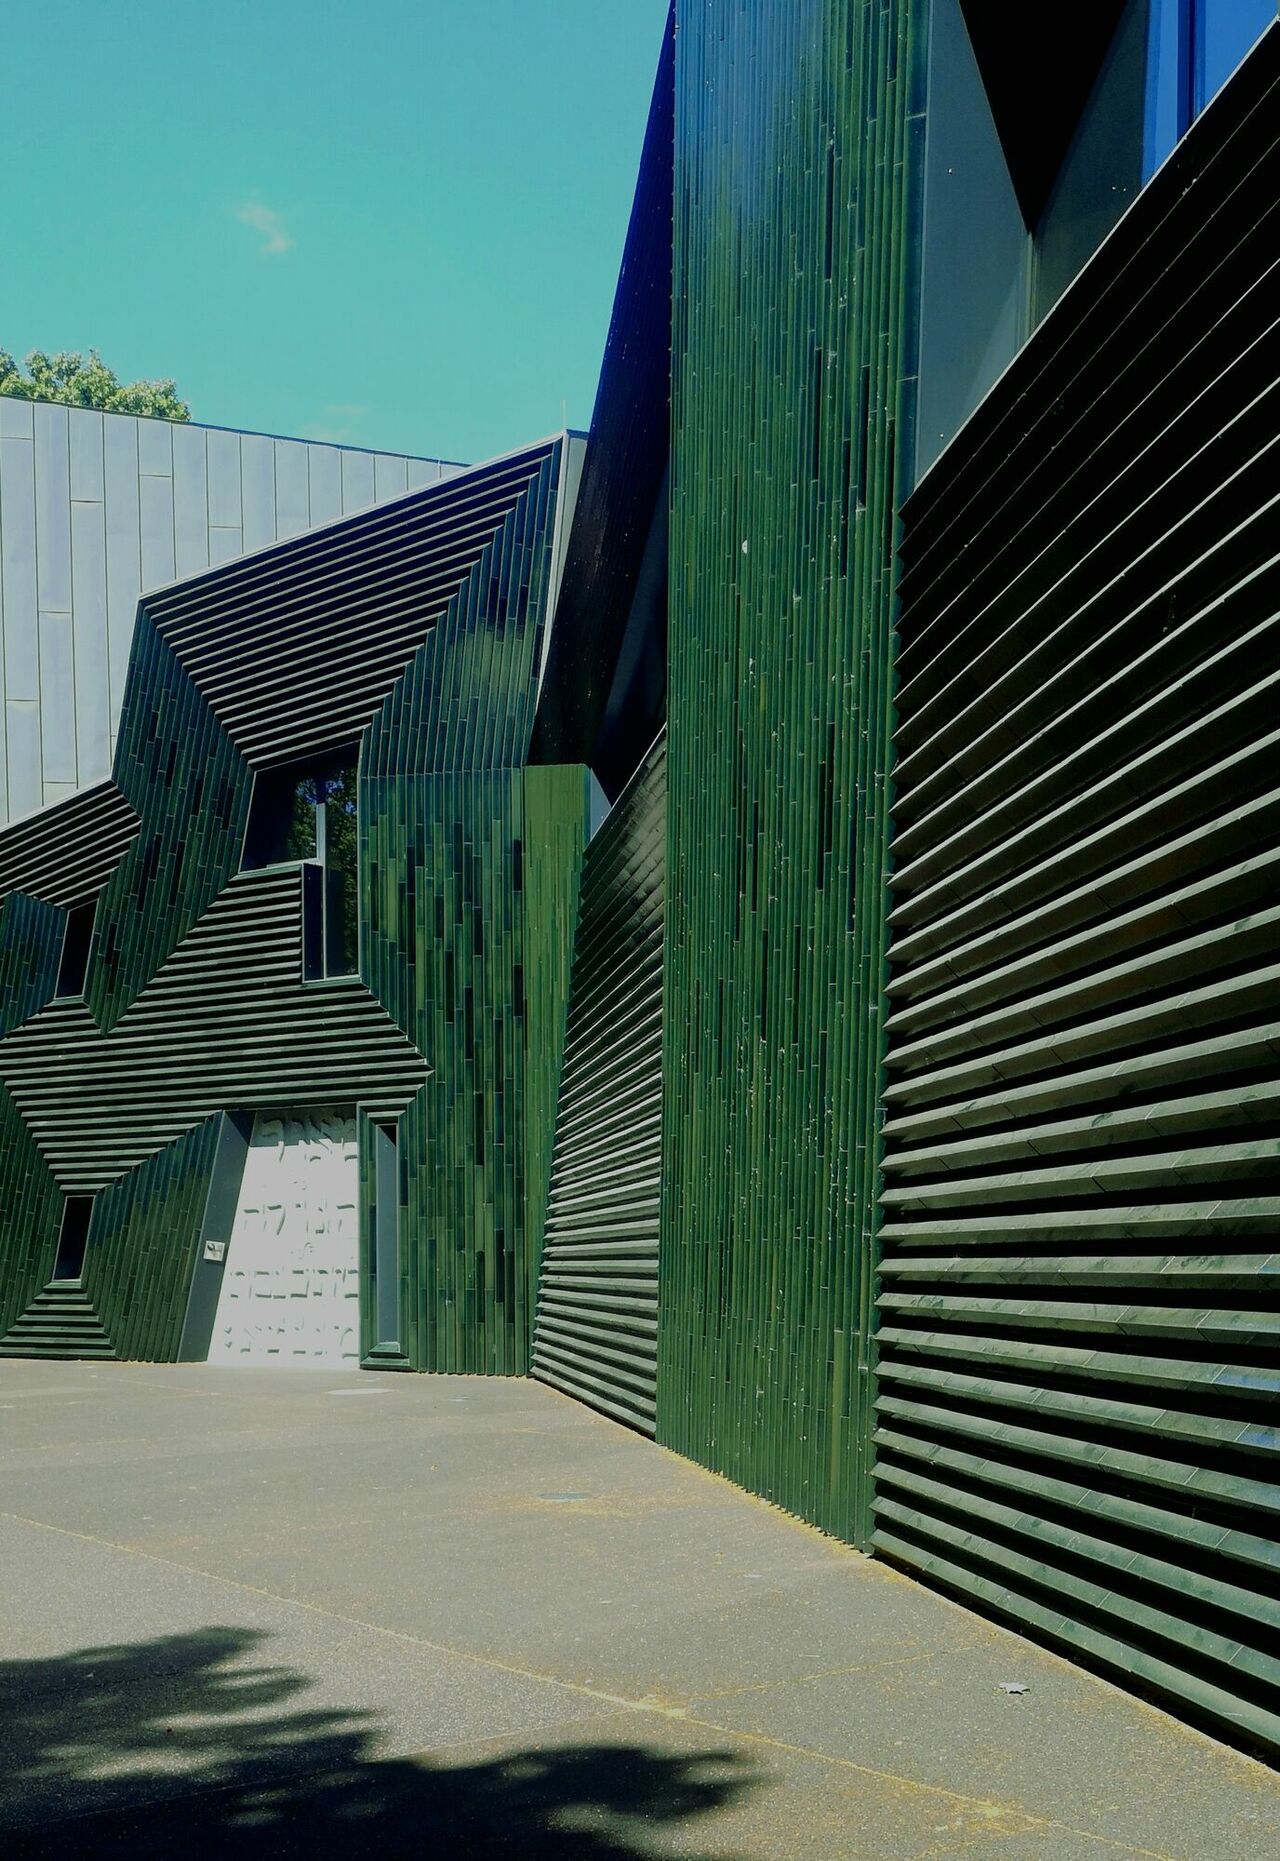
268,1613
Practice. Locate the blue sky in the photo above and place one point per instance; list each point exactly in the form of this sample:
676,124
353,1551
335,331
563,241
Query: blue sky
395,223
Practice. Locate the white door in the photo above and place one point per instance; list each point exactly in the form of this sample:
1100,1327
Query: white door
291,1286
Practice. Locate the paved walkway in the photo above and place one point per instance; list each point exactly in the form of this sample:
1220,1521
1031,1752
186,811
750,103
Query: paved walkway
258,1614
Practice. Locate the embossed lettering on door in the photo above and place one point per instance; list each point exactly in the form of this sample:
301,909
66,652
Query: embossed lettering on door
290,1291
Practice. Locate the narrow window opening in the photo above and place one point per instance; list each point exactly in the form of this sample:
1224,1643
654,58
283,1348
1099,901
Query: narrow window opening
307,814
336,850
386,1238
76,939
73,1238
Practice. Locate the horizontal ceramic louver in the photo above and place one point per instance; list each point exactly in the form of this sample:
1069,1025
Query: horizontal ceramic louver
59,1323
1079,1343
227,1022
799,133
597,1320
66,853
295,648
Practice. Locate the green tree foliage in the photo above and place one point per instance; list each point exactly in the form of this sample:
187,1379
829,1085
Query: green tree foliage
86,381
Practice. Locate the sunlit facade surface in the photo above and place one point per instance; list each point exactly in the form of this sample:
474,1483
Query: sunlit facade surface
761,915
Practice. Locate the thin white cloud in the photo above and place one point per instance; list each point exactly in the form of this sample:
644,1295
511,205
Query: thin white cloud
337,423
267,221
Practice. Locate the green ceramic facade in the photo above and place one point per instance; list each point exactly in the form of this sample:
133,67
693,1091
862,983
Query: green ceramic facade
797,147
30,1215
142,1246
761,918
202,996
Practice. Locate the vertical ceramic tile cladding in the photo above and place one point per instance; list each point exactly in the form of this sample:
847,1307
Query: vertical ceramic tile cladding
798,137
475,881
30,956
142,1246
556,809
463,824
469,877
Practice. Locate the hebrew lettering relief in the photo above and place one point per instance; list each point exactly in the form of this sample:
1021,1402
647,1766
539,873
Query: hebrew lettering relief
291,1289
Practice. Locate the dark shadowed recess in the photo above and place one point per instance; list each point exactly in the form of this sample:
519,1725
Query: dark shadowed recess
1037,83
178,1745
603,694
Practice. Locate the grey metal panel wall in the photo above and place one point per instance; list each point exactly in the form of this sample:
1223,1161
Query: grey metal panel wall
96,509
596,1333
1080,1331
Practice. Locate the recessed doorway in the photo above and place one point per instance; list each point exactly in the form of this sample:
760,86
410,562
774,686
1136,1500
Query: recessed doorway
290,1291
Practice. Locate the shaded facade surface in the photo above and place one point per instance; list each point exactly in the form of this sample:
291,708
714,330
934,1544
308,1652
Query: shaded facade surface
1078,1367
96,509
66,854
469,877
603,696
1037,93
878,1105
603,702
596,1335
229,1020
405,643
797,144
30,1215
142,1246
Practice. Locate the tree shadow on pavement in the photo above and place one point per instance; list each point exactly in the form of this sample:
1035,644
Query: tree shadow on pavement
183,1747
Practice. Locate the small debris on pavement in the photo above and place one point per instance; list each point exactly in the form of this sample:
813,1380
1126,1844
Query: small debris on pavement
1014,1686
